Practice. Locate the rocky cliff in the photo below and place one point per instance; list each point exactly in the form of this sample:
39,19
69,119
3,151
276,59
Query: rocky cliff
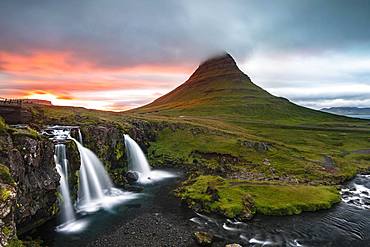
32,198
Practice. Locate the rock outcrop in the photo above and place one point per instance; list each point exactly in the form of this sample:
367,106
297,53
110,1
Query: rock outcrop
31,165
7,206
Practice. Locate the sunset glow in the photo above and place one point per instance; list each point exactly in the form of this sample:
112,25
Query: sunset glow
65,80
116,55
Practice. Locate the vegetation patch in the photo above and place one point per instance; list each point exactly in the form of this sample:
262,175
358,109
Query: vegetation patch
26,132
5,175
242,199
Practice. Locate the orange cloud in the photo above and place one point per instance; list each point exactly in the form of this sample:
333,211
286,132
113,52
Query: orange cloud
41,63
52,62
66,80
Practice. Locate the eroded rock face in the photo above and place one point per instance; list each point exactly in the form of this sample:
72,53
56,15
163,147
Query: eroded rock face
7,207
31,165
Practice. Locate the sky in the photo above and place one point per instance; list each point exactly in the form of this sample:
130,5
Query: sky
117,54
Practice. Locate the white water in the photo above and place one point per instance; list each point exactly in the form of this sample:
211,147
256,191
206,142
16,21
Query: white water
138,162
80,136
95,186
95,190
61,163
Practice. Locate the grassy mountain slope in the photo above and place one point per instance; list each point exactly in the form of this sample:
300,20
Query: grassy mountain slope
219,88
239,131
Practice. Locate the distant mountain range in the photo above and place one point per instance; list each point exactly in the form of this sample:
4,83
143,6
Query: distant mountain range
347,110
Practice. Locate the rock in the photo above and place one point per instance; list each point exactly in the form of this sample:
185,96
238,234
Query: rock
258,146
7,206
233,245
249,208
211,190
203,238
328,163
132,176
31,164
266,162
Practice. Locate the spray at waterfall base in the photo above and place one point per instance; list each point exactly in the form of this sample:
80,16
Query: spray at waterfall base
95,191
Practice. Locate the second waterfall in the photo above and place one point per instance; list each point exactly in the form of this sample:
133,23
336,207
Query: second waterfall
137,162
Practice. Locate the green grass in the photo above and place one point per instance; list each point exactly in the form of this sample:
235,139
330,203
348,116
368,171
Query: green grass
29,132
265,198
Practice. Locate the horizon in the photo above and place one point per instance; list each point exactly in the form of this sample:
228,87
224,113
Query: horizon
92,55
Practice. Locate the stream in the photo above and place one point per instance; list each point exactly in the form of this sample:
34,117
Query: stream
131,223
346,224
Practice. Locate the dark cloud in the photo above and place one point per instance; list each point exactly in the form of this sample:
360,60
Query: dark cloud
113,34
116,33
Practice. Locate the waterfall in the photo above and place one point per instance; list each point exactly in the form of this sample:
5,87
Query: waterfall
95,190
94,183
80,136
61,163
136,157
137,162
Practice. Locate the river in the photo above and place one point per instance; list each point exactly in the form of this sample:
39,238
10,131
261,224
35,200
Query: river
156,218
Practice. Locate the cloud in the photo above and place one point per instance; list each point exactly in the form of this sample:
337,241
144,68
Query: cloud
87,46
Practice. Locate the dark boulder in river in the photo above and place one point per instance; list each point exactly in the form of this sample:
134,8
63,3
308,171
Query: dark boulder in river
132,176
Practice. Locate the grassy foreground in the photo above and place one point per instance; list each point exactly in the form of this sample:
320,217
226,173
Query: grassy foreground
241,199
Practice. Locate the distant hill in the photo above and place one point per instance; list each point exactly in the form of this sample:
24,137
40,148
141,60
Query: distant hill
219,88
347,110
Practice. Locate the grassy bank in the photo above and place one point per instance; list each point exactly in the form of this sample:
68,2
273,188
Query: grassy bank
241,199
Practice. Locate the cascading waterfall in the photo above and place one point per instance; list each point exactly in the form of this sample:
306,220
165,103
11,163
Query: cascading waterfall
137,162
95,187
136,157
80,137
61,162
94,182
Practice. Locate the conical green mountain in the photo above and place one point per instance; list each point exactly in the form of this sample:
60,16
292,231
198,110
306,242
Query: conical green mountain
219,88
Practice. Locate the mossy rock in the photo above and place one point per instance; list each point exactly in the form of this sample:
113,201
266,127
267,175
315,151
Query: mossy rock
5,176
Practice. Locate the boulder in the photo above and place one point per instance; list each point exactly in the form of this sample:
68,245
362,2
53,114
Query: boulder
132,176
203,238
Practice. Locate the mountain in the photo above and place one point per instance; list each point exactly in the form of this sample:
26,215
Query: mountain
219,88
347,110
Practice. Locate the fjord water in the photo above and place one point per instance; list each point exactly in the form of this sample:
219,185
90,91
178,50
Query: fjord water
137,162
61,162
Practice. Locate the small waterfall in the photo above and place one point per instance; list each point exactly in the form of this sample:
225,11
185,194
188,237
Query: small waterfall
61,163
80,136
136,157
94,182
137,162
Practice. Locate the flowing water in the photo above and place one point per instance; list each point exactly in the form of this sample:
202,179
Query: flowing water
67,210
95,190
80,136
346,224
137,162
